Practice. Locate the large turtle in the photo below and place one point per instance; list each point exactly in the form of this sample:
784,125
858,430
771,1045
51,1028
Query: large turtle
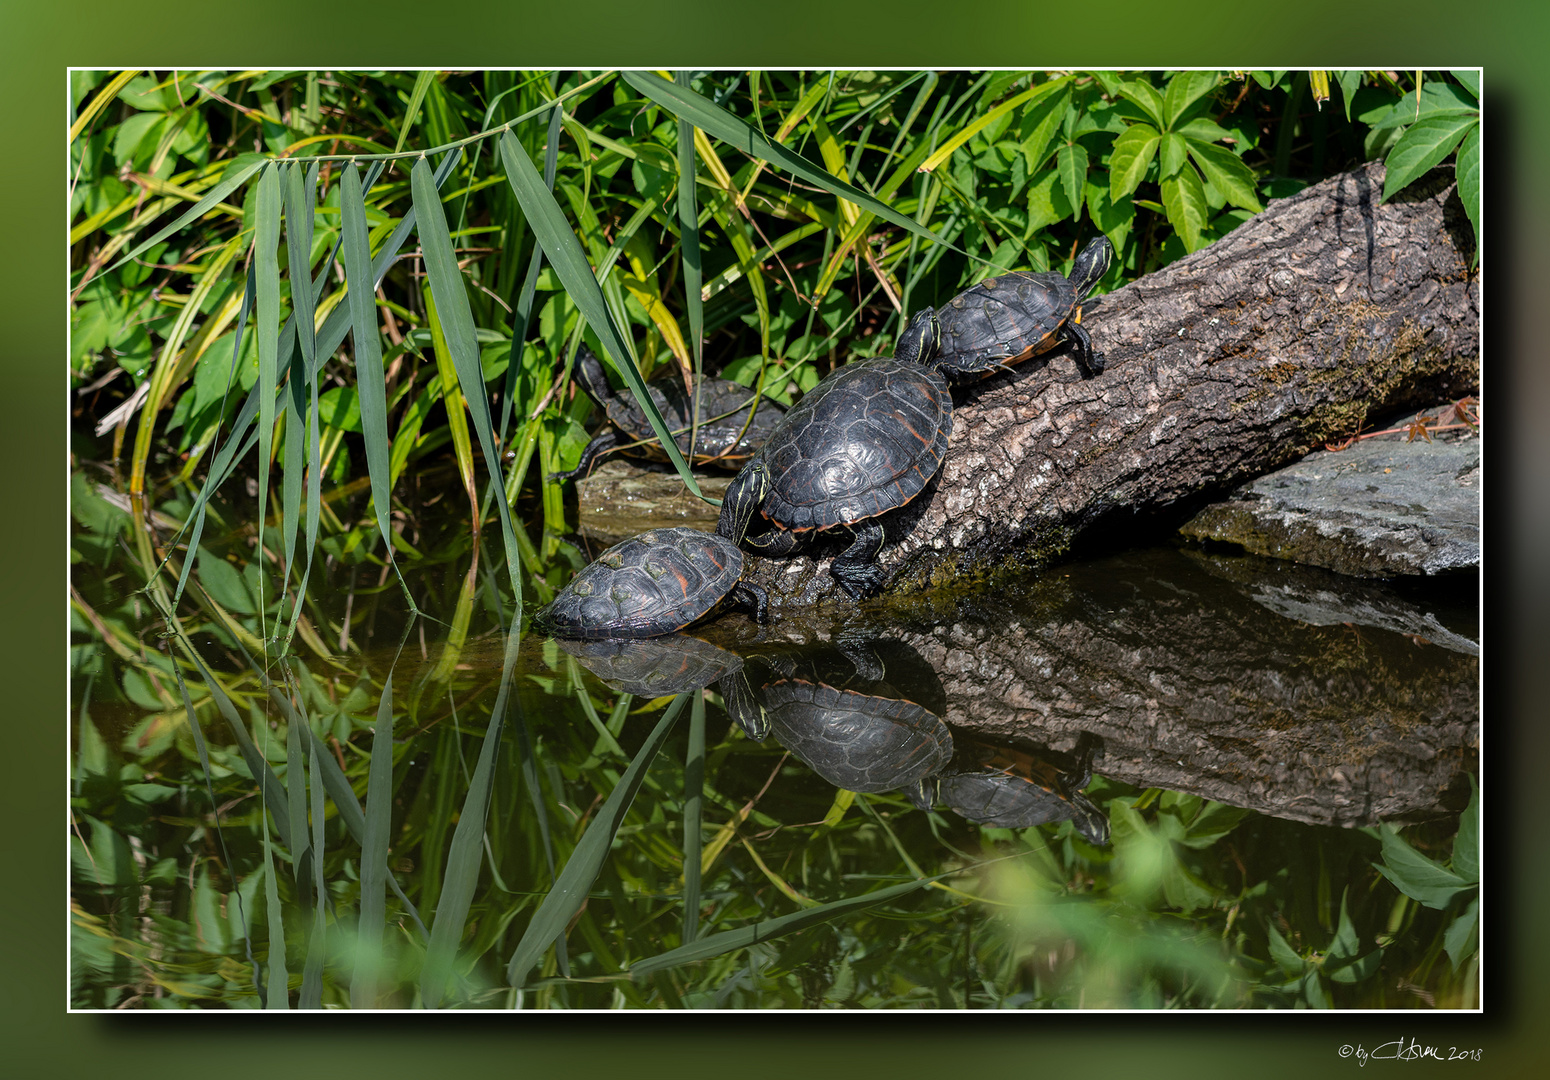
727,436
1011,789
655,583
1010,318
865,440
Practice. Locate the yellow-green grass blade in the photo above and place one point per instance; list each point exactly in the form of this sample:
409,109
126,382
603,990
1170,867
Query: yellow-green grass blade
105,97
771,929
712,118
457,321
467,853
165,374
565,254
969,130
452,399
694,793
198,210
372,916
541,815
586,861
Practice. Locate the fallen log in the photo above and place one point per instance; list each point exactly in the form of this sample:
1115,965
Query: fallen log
1286,334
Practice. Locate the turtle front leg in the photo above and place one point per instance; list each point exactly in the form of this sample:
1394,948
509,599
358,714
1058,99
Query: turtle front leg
856,569
1087,359
749,597
596,448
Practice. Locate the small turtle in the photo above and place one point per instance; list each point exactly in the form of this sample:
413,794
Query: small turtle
655,583
1010,318
726,436
864,441
1009,789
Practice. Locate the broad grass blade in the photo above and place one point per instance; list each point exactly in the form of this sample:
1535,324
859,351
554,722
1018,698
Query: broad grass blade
586,861
299,210
770,929
569,260
372,918
457,321
296,803
370,384
712,118
467,853
266,256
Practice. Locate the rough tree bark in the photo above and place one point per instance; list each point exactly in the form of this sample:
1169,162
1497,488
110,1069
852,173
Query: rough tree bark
1236,360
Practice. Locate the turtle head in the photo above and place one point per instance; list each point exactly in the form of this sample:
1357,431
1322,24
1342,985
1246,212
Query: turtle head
590,376
1091,264
922,338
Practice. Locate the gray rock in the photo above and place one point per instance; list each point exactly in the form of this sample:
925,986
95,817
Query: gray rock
1380,508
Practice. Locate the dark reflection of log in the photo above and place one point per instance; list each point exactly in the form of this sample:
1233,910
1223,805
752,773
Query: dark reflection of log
1195,685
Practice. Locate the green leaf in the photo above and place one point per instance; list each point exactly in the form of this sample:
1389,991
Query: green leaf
1146,96
1184,89
1226,170
1350,82
1466,846
1204,129
1172,155
1423,146
1415,875
1071,163
340,408
1184,200
224,584
1282,953
1470,79
1129,158
714,120
1038,126
1462,936
1437,98
732,940
422,83
1214,821
586,861
1467,169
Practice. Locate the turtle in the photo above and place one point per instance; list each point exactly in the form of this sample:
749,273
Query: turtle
866,440
655,583
857,732
1010,318
727,436
1009,789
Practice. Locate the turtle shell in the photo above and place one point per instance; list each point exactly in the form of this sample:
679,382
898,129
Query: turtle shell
660,581
855,741
724,408
865,440
1003,320
655,667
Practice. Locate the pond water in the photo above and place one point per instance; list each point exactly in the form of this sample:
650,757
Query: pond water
1164,778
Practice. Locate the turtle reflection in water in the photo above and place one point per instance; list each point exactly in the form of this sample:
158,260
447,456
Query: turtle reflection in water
1013,789
659,666
856,731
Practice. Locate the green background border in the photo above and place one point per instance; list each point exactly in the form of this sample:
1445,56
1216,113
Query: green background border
39,1039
